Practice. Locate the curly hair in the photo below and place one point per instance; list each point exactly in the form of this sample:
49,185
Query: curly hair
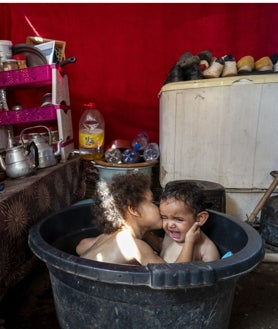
125,190
188,192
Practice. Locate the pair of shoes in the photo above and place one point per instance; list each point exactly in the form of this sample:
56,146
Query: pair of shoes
186,69
264,64
224,66
245,65
230,68
215,69
190,65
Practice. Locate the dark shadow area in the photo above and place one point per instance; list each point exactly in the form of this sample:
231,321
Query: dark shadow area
30,304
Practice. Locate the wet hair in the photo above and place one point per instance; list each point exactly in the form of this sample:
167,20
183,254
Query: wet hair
188,192
125,190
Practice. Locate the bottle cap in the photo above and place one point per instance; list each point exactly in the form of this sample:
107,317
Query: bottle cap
90,105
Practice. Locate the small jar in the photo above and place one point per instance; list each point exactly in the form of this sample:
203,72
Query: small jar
10,64
20,60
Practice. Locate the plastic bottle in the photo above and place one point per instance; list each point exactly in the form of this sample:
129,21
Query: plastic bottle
91,133
140,141
130,156
151,152
113,155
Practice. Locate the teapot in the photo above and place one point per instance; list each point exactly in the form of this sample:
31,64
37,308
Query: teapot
19,161
45,150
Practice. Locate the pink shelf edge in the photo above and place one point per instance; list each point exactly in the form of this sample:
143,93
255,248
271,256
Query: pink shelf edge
31,76
35,114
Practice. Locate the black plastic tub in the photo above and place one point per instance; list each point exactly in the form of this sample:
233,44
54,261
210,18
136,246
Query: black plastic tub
91,294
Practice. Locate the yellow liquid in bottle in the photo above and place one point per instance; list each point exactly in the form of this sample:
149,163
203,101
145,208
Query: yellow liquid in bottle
91,144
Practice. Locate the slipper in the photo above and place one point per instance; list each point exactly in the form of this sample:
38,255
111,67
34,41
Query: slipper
264,64
245,65
215,70
176,74
187,59
193,72
205,59
274,60
230,68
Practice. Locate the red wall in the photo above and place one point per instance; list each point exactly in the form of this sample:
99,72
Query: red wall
124,51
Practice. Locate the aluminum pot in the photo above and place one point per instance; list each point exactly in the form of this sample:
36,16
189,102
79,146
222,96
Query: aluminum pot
45,150
19,161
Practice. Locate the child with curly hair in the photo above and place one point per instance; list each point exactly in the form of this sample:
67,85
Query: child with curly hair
127,211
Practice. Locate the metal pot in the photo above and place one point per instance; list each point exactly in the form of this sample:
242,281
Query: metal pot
46,155
20,162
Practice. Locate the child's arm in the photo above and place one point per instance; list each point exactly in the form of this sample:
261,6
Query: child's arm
84,245
210,253
153,240
186,255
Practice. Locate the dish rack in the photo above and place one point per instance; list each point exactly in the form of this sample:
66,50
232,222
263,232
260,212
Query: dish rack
55,80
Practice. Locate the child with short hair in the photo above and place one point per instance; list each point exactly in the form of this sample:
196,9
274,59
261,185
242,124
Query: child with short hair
182,205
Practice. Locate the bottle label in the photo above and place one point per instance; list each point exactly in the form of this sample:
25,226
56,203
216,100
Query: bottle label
93,140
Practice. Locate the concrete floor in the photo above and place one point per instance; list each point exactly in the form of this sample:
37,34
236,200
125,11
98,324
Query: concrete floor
256,299
30,305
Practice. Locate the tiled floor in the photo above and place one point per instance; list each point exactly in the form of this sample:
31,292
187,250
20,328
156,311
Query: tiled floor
30,305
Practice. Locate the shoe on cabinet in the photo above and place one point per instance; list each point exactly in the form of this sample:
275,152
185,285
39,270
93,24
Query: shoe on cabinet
245,65
215,69
187,59
176,74
205,59
230,68
264,64
274,60
193,72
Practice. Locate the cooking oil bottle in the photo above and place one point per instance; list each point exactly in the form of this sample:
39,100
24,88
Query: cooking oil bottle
91,133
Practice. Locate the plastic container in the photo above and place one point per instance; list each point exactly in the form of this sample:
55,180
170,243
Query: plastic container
130,156
9,64
91,294
91,133
113,155
108,170
5,49
140,141
151,152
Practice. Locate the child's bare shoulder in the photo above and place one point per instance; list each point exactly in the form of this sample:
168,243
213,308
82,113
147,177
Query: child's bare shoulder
208,249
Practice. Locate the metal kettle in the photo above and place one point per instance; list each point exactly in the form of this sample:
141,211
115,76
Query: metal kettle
19,161
46,155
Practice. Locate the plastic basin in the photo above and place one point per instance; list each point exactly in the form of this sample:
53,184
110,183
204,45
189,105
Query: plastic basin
91,294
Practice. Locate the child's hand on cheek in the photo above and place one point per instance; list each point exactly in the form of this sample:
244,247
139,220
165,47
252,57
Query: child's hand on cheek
193,234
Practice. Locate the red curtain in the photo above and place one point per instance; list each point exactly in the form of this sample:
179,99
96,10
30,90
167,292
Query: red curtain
124,51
